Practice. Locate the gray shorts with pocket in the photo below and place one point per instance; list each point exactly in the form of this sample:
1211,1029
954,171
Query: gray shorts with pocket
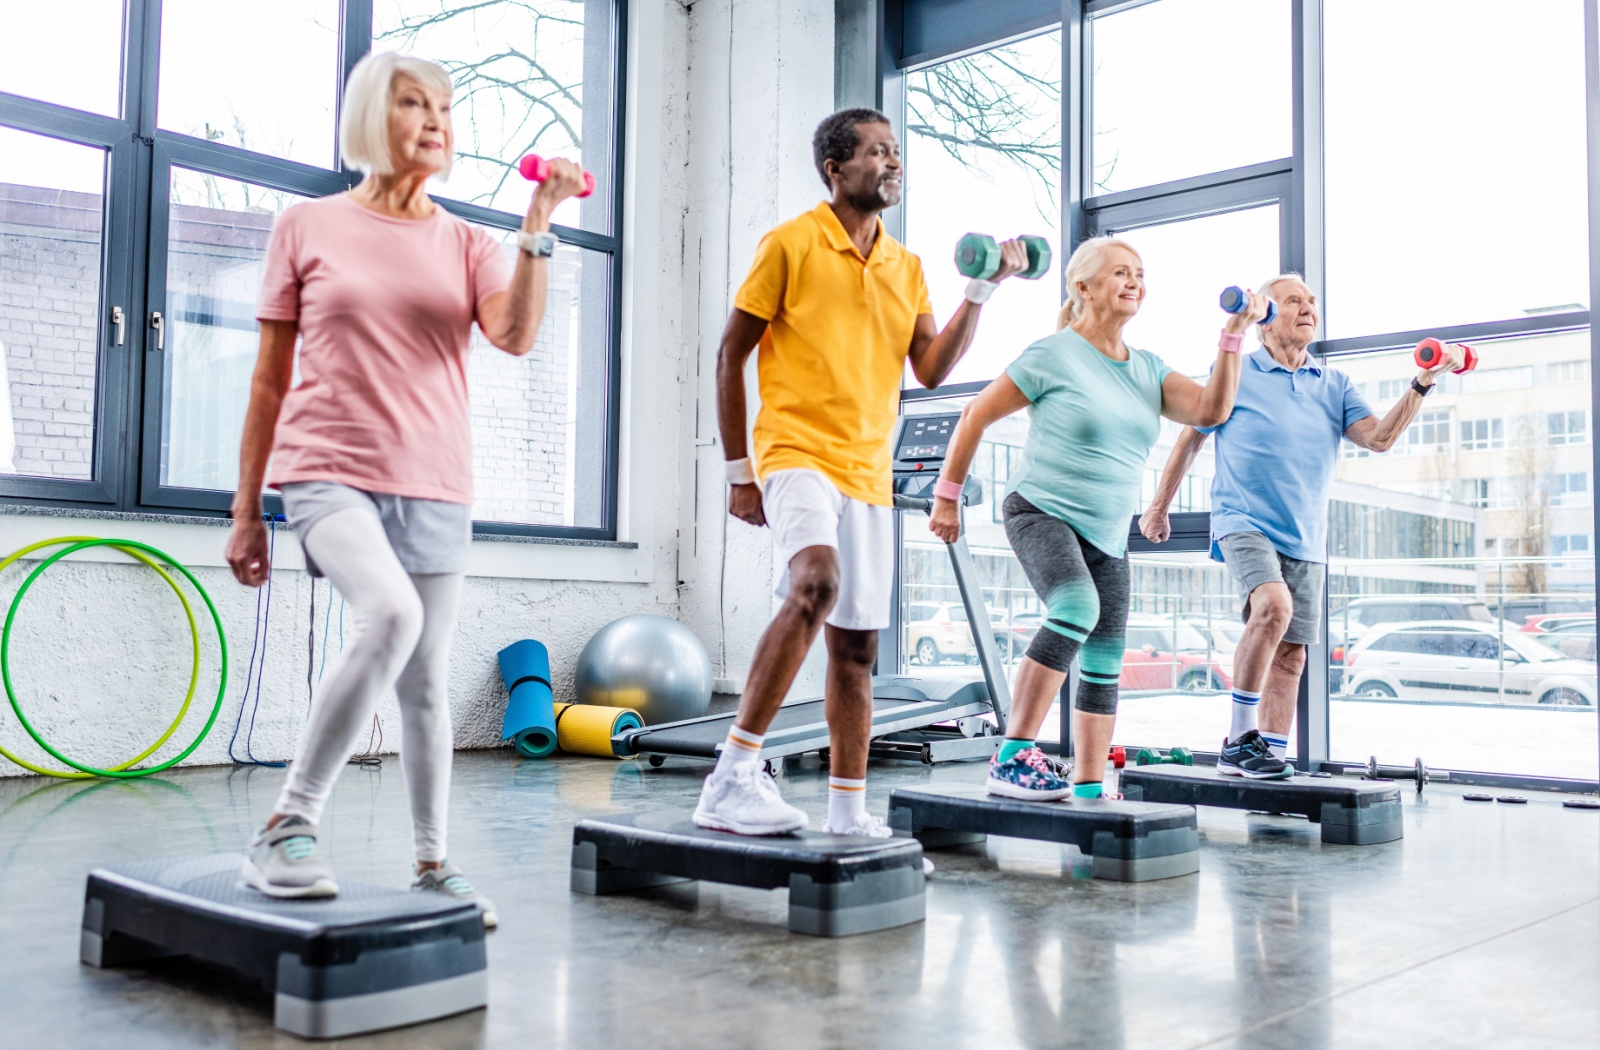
1253,560
430,537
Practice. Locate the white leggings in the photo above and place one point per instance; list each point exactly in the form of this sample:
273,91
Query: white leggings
403,625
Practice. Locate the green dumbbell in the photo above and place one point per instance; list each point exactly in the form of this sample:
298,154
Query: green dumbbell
978,255
1178,756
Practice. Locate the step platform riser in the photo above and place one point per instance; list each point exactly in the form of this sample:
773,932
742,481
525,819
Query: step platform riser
1127,842
366,960
1351,812
838,886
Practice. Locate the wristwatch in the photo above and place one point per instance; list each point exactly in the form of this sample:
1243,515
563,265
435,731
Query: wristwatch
1422,391
540,245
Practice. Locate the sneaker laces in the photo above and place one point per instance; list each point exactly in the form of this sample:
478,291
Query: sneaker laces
1255,745
759,779
1035,759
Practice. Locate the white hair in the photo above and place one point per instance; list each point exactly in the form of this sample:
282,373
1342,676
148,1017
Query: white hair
364,121
1266,290
1084,266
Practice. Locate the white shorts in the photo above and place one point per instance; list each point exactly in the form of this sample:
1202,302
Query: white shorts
805,509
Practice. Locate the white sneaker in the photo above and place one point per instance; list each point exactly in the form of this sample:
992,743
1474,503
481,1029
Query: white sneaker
282,862
745,801
866,824
874,828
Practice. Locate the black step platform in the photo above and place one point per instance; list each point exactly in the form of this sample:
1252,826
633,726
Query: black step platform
1351,812
368,959
1128,841
838,885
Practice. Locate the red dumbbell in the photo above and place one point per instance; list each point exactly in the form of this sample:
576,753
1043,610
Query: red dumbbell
535,168
1119,757
1431,351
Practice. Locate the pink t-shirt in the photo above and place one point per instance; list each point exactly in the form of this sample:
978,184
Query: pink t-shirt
385,309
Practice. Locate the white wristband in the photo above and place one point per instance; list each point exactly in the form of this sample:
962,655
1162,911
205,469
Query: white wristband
740,472
978,291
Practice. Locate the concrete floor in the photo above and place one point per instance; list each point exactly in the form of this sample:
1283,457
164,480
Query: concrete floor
1481,928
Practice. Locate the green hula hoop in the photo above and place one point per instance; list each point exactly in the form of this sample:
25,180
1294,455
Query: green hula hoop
134,549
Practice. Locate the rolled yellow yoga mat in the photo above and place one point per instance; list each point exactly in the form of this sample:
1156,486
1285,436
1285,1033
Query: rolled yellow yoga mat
587,729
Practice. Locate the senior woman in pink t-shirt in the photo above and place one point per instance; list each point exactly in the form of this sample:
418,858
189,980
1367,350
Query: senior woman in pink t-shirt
372,450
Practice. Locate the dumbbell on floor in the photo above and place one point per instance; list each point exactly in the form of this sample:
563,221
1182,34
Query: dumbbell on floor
535,168
1431,351
978,255
1418,772
1178,756
1234,300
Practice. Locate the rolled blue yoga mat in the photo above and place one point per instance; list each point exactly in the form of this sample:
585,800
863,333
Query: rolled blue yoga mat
530,722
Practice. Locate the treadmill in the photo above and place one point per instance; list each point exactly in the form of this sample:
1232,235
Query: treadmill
927,719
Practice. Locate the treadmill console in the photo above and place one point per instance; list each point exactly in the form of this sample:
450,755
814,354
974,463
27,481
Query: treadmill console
920,445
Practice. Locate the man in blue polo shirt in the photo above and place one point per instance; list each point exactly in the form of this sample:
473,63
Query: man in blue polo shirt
1269,511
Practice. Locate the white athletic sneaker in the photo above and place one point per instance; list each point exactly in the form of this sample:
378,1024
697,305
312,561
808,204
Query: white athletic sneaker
449,882
745,801
866,824
283,862
874,828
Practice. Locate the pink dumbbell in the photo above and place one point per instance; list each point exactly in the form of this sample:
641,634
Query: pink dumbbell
535,168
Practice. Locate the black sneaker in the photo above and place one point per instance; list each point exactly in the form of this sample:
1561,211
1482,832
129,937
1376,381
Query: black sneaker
1249,756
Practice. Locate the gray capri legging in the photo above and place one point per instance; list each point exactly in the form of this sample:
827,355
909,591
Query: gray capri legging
1086,596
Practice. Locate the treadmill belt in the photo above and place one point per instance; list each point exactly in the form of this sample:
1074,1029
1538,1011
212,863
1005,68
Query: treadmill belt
701,737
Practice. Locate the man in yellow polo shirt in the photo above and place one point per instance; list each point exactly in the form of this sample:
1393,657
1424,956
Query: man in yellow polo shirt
836,306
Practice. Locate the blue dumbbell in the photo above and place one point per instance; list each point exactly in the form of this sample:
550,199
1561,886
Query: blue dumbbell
1234,300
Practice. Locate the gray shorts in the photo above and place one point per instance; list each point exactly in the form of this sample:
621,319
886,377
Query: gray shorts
429,536
1253,560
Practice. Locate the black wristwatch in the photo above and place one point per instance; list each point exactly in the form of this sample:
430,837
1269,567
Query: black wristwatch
1422,391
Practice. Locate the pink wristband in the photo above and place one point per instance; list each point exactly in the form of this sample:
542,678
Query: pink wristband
949,490
1230,342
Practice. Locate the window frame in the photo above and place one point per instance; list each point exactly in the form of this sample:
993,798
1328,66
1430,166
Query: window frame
130,377
971,26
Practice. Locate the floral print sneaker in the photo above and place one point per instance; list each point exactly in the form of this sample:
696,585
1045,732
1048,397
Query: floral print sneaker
1030,775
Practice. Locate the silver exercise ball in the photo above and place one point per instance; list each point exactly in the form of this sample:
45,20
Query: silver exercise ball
652,664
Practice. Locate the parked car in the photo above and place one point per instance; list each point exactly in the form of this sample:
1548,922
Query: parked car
935,632
1014,634
1517,610
1544,623
1222,635
1337,647
938,633
1360,614
1161,654
1572,637
1463,661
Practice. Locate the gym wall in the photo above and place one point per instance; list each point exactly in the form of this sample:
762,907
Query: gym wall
721,103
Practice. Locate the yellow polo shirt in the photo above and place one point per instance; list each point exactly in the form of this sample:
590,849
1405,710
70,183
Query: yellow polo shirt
838,332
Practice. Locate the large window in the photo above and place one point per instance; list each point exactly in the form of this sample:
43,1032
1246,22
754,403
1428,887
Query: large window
985,130
1410,153
135,210
1442,194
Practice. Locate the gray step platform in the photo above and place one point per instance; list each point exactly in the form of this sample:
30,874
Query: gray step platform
1351,812
1128,841
368,959
838,885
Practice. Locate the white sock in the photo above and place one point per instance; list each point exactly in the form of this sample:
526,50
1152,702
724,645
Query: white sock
847,802
741,748
1244,712
1278,744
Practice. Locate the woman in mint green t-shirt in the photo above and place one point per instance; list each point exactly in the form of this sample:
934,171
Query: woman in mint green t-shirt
1095,408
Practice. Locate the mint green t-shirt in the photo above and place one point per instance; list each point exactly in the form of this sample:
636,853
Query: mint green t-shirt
1093,422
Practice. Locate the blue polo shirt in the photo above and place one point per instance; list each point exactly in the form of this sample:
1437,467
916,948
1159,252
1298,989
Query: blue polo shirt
1276,454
